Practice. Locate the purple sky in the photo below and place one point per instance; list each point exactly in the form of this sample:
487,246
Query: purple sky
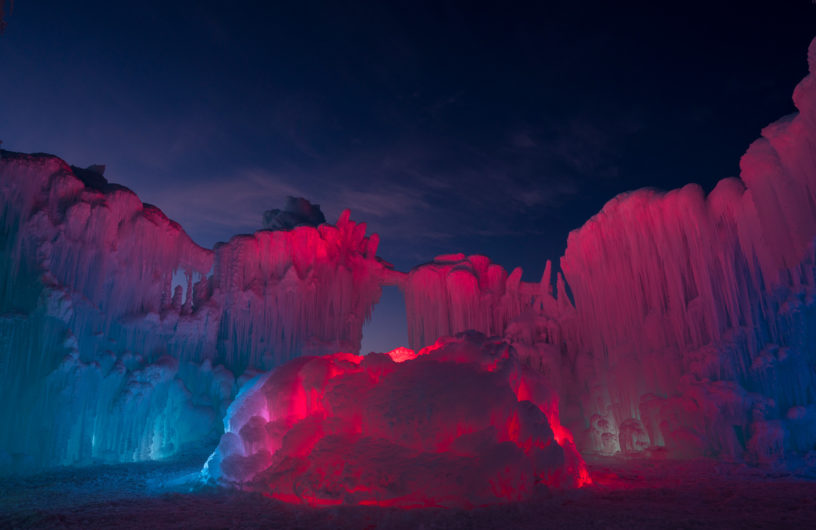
446,127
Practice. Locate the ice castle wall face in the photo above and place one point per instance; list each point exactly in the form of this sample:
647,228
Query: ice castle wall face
456,293
289,293
121,339
693,324
696,312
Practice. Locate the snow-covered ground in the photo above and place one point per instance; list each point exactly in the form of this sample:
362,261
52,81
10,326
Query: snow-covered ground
626,494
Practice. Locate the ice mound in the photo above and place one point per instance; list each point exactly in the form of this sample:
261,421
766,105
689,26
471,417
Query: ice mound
462,423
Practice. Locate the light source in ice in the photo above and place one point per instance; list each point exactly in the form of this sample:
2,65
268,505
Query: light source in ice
460,423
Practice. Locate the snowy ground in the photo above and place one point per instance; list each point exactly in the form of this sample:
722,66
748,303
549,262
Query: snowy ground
626,494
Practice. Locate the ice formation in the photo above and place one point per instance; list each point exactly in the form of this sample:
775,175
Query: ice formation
288,293
462,423
690,330
696,313
455,293
123,340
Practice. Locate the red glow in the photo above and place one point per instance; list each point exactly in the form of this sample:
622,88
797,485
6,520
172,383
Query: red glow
402,354
435,346
459,424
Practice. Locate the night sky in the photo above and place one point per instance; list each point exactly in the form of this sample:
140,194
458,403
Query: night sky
445,127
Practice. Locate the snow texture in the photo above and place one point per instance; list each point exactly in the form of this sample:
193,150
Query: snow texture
462,423
625,494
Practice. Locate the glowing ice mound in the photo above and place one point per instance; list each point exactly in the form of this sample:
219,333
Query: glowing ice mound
462,423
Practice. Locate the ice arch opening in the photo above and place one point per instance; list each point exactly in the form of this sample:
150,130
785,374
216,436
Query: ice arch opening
387,327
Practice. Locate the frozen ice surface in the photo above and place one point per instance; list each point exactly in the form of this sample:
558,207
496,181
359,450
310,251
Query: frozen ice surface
461,423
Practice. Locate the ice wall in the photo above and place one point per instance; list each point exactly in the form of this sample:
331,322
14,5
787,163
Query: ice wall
121,339
87,316
288,293
696,312
456,293
692,330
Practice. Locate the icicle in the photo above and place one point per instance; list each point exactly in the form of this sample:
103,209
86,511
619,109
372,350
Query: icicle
675,290
130,286
546,278
455,293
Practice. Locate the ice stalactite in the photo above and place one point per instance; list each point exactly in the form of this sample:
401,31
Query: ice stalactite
696,312
455,293
123,340
87,316
288,293
692,330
